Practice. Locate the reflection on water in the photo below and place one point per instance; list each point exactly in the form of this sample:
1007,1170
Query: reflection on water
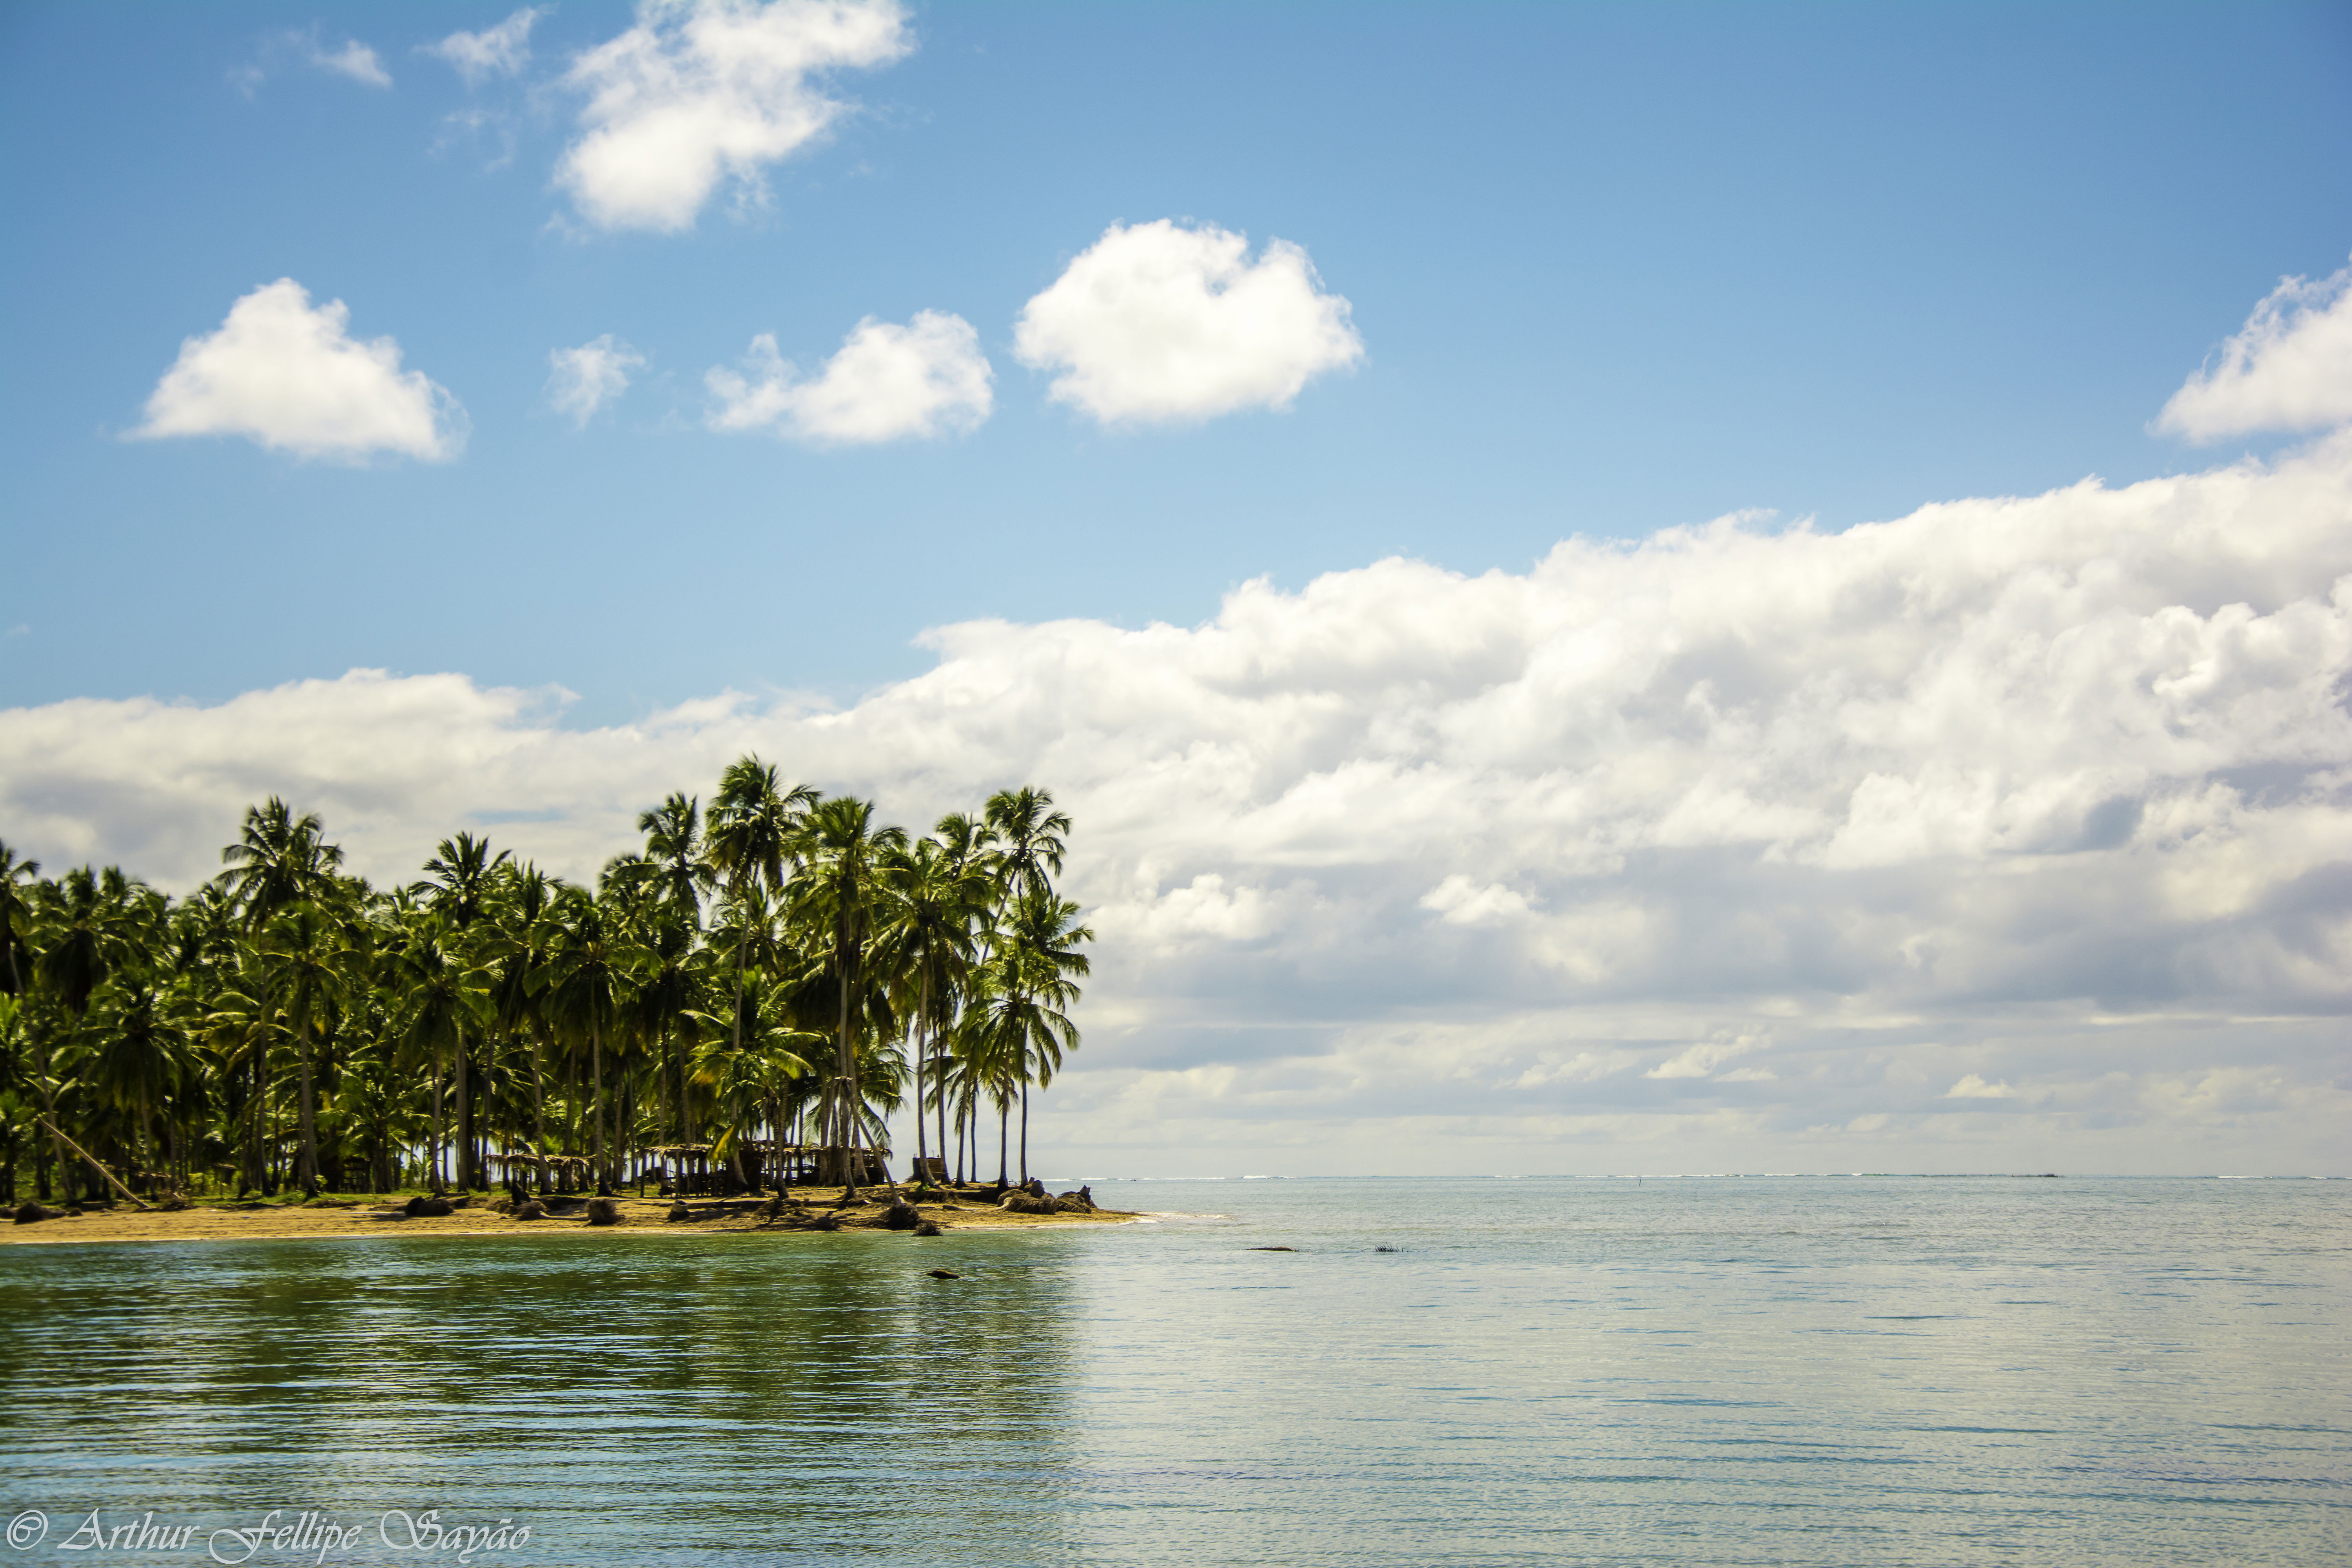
1800,1371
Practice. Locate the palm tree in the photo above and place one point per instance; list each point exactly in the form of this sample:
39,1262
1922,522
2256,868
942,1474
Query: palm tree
515,953
588,971
1030,984
459,881
17,917
845,855
278,859
304,952
754,824
1030,835
938,901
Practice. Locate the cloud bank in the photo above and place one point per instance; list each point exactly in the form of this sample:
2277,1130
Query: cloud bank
704,90
887,383
2014,833
1163,323
289,375
2290,368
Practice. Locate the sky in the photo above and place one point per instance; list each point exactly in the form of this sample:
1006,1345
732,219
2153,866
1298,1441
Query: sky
1612,588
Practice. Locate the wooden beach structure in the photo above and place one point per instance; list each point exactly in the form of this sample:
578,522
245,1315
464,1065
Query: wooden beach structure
696,1170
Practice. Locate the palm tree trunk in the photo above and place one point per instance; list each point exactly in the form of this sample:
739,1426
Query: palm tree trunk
923,1044
1024,1132
539,1113
846,1068
465,1120
434,1141
1003,1119
596,1070
309,1160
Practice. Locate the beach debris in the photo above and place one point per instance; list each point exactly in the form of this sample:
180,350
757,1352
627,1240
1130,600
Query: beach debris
1034,1188
1018,1202
29,1213
929,1228
827,1221
530,1208
424,1207
1384,1249
1273,1249
173,1202
603,1211
901,1215
945,1274
679,1213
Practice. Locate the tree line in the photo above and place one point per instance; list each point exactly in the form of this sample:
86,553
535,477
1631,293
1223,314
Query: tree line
780,969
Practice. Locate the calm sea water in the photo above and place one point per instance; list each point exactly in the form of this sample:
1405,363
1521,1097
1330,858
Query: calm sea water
1732,1371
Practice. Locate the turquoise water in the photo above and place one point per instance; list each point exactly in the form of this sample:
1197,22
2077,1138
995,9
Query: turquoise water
1816,1371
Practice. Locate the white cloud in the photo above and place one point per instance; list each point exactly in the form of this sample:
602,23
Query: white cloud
502,50
1972,1087
289,375
1159,322
704,90
586,378
354,59
2290,368
2062,783
887,383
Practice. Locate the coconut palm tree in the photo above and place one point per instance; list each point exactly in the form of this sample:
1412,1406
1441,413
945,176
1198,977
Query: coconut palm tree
278,859
754,823
459,882
837,900
1028,987
305,953
928,942
590,967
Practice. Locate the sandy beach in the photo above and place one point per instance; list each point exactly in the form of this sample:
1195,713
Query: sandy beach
275,1220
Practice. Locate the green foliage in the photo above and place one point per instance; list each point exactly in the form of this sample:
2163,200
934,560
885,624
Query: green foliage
785,968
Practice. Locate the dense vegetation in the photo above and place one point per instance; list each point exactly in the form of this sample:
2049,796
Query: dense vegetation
774,971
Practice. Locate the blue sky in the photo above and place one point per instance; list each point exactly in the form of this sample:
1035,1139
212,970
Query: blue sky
1708,587
1614,268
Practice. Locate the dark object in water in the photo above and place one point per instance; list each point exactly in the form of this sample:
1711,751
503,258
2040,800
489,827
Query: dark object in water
929,1228
421,1207
943,1274
1384,1249
603,1211
1273,1249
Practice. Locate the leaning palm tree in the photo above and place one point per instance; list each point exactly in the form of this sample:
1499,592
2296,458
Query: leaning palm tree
839,898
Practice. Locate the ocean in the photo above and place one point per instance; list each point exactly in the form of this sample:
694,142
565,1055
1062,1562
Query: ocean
1805,1370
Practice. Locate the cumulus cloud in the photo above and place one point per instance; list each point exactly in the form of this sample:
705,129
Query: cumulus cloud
1771,850
502,50
887,383
699,92
2290,368
1159,322
586,378
288,374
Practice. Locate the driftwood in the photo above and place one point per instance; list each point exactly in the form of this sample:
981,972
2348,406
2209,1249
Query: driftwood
530,1208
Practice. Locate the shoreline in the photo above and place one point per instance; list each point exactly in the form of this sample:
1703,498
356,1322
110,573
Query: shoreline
330,1218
